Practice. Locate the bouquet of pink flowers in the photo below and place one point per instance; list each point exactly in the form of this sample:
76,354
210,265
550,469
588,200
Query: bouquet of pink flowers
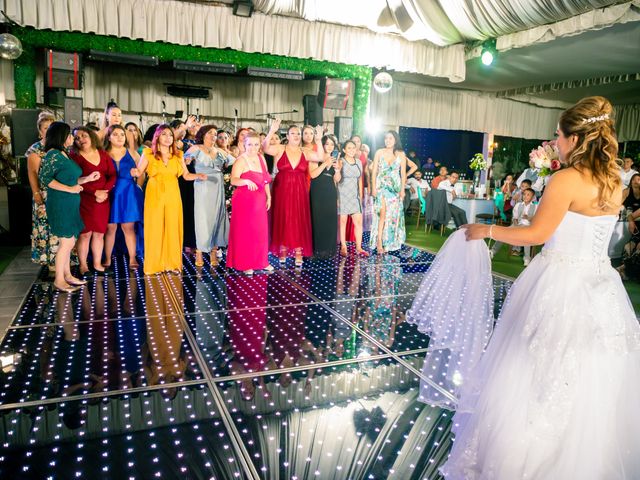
545,158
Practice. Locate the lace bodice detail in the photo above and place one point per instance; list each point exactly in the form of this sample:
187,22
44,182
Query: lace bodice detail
581,236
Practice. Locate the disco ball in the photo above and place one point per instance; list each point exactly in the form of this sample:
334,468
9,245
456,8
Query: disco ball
10,46
382,82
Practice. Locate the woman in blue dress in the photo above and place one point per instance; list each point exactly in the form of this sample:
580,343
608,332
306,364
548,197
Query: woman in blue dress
210,210
126,197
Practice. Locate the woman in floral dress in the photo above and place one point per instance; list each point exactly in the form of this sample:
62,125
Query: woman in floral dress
44,244
388,179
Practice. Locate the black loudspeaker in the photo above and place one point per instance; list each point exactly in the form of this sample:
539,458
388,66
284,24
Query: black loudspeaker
64,70
24,129
334,93
343,128
312,110
73,111
54,97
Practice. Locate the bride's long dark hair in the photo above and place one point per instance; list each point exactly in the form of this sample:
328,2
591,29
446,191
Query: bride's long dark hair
591,119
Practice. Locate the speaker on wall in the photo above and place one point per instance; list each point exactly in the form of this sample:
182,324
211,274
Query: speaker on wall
64,70
334,93
312,110
73,111
24,129
343,128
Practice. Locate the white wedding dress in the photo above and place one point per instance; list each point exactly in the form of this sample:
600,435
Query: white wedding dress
556,394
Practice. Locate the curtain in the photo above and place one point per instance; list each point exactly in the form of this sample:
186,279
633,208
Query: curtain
628,122
215,26
591,20
6,80
416,105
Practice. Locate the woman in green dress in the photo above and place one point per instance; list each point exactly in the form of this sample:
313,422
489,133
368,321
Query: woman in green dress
61,176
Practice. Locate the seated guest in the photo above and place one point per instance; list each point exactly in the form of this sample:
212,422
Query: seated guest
428,165
413,184
458,214
441,177
523,212
508,188
530,174
517,194
627,171
631,195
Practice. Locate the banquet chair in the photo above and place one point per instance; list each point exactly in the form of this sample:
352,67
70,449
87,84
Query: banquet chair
436,210
423,206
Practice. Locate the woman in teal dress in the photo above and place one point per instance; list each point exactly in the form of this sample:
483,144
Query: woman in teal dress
61,176
388,179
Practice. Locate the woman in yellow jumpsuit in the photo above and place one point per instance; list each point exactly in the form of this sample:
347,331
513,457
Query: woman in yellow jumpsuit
163,163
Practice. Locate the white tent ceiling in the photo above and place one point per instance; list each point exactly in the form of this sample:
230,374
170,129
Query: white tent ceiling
442,22
572,48
558,71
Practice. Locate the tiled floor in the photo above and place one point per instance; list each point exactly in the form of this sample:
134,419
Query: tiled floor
309,373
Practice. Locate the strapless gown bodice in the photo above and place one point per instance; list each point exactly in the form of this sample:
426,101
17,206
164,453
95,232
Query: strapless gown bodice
582,237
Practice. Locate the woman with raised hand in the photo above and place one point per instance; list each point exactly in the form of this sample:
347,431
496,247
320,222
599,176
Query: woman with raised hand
323,197
163,164
249,233
127,202
210,209
62,177
94,198
388,178
291,218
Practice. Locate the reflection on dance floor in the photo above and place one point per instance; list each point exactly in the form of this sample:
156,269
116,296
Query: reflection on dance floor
302,373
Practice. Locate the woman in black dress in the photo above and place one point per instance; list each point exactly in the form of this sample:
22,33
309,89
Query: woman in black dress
324,200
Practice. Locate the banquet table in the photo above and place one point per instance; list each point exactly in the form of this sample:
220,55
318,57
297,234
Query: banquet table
474,206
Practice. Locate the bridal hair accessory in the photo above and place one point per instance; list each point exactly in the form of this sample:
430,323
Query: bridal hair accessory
596,119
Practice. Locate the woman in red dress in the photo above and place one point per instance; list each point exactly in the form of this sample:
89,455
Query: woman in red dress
249,230
291,221
94,198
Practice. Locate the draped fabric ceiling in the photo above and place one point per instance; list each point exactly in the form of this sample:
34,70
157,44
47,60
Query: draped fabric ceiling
550,52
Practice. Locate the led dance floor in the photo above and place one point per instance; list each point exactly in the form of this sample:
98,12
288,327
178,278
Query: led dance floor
302,373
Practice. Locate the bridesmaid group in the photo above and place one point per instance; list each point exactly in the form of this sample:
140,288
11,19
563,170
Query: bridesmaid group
89,185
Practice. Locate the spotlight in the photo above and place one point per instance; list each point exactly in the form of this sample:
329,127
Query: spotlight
489,52
243,8
373,125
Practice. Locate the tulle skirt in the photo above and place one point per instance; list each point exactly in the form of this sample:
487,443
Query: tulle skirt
555,396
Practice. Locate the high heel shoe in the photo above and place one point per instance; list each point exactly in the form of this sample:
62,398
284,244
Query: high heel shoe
199,259
75,281
362,253
67,288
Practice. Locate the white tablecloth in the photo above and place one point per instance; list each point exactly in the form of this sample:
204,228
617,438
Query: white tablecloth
474,206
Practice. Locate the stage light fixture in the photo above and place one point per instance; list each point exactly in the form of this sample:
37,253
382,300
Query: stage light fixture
373,125
275,73
489,52
243,8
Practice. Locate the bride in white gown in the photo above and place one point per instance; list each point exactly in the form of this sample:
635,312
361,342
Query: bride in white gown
556,394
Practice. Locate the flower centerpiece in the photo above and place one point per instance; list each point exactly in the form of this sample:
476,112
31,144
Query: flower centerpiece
478,162
546,158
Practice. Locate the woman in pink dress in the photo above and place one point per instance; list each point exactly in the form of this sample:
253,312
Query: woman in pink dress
249,230
291,222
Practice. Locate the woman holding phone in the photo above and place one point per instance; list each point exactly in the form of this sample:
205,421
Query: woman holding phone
324,199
